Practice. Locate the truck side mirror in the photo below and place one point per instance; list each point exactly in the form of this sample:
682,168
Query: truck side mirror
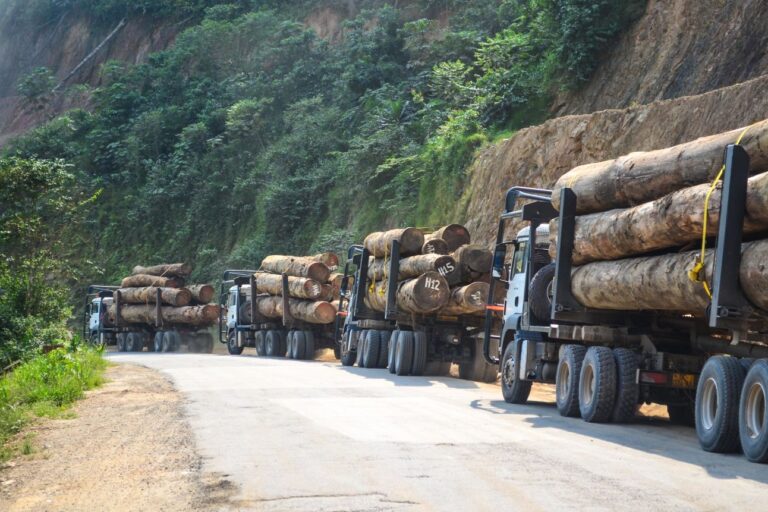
499,255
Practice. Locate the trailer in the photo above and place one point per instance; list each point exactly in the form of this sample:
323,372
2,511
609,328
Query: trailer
132,337
404,343
604,363
274,337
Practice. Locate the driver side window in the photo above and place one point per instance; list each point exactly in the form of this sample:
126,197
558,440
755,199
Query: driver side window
518,260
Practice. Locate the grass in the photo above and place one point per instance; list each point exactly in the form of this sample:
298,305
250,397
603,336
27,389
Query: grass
45,386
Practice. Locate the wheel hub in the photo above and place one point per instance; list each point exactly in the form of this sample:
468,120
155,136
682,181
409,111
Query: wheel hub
588,384
709,404
508,372
754,411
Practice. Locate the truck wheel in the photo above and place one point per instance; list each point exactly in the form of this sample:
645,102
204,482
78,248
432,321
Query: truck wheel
567,380
371,349
232,347
404,353
478,370
258,342
753,413
682,414
419,353
627,389
717,404
348,357
393,341
158,341
514,390
361,347
540,293
291,353
120,342
206,344
384,338
597,385
309,345
132,342
299,344
276,340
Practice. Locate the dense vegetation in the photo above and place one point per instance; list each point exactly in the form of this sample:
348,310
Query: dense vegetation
251,135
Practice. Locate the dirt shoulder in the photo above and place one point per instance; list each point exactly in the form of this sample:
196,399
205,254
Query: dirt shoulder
128,447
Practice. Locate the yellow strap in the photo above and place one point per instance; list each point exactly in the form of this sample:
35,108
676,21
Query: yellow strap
696,274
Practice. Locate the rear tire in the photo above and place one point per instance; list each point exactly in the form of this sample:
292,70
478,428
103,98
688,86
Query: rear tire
348,357
258,342
478,370
309,345
391,351
232,347
717,404
597,385
121,342
567,380
360,347
299,344
274,340
158,341
384,337
419,353
404,353
514,390
627,389
370,358
753,413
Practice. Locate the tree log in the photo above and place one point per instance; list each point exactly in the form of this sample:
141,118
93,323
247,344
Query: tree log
140,280
297,267
202,293
413,266
270,306
455,235
467,300
644,176
662,283
376,296
474,257
672,221
166,270
336,281
423,295
435,246
148,295
329,259
298,287
379,244
197,316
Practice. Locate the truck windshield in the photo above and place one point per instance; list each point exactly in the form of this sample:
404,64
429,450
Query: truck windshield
518,260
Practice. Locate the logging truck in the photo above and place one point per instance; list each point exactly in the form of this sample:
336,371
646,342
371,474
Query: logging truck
404,342
270,323
104,324
704,365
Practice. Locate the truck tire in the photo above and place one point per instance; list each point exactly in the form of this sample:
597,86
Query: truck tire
133,342
682,414
627,389
232,347
273,339
299,344
271,344
360,346
206,343
514,390
291,352
404,353
158,341
746,363
540,293
753,413
393,341
258,342
717,404
567,380
478,370
384,337
121,342
419,353
370,358
597,385
348,357
309,345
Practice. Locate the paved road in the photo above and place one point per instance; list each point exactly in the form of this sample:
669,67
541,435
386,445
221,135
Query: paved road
315,436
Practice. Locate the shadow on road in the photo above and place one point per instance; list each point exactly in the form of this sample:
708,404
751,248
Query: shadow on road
647,434
423,381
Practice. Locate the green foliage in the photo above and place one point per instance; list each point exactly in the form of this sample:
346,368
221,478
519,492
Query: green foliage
38,82
250,135
46,385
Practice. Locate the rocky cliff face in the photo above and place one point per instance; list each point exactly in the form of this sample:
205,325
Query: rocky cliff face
678,48
537,156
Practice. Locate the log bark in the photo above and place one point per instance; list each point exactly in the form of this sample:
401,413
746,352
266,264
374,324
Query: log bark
423,295
474,257
202,293
336,280
140,280
467,300
298,287
379,244
329,259
672,221
413,266
661,282
148,295
376,296
297,267
454,235
197,316
644,176
435,246
313,312
165,270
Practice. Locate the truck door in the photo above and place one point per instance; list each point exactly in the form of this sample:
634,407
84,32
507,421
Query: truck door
516,293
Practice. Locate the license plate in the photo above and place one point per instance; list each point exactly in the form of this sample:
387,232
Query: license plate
683,380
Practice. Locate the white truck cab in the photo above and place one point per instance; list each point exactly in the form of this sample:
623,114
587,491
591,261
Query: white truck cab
518,267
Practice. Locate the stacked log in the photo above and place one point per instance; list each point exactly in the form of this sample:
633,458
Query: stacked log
438,273
640,216
311,288
140,291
